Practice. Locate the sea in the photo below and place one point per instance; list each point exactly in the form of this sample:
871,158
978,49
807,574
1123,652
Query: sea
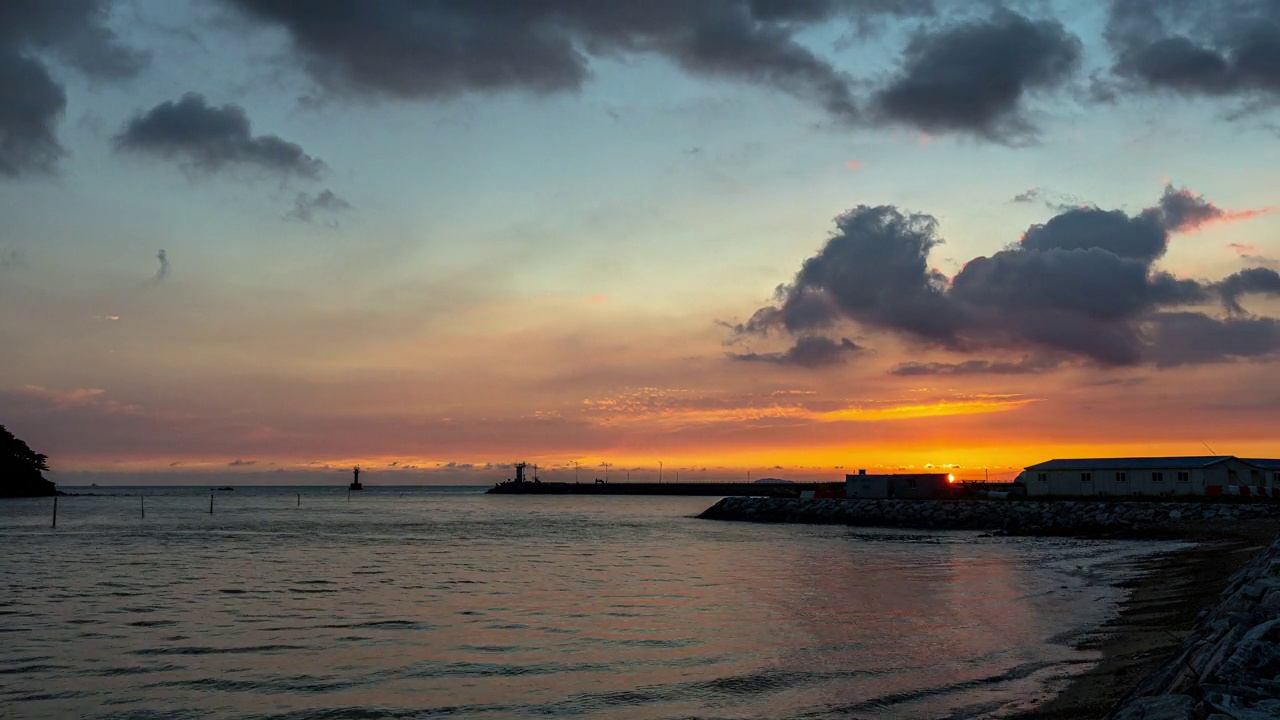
444,602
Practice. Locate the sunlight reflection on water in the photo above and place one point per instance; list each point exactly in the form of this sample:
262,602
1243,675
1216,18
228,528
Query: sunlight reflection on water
409,602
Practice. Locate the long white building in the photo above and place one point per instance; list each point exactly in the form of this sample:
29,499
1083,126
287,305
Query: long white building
1154,476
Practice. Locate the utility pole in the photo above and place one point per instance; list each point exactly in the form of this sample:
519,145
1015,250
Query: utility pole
575,471
659,472
606,471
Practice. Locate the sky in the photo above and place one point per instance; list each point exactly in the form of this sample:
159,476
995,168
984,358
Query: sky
725,239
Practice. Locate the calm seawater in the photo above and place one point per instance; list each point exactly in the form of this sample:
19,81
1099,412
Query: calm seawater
434,602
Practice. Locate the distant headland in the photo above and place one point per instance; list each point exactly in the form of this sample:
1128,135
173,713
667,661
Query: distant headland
20,469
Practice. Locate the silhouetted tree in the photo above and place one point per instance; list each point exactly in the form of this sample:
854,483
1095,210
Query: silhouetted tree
20,468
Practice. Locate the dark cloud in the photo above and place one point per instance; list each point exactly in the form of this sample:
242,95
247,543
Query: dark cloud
1023,366
305,205
1217,49
31,104
409,50
1089,282
241,463
1183,210
1142,237
211,139
809,351
1082,285
31,101
1189,338
1259,281
74,30
973,77
874,268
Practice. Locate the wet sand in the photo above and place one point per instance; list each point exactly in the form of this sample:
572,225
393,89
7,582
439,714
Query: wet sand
1164,600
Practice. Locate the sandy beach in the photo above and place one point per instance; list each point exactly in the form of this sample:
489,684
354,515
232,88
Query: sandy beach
1163,603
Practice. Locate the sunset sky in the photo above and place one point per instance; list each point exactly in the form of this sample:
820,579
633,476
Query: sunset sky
786,237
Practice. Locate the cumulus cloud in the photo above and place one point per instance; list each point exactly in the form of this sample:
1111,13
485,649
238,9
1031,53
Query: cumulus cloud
409,50
809,351
974,77
211,139
1214,49
1142,237
305,206
32,102
1081,285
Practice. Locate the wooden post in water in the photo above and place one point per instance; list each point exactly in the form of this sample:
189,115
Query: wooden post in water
55,511
300,498
210,503
348,494
142,503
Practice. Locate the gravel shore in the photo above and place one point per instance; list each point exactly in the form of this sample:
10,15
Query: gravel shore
1164,600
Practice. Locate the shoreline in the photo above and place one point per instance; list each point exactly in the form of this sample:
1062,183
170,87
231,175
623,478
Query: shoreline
1166,593
1164,600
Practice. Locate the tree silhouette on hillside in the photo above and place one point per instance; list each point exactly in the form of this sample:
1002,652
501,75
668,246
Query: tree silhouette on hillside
20,469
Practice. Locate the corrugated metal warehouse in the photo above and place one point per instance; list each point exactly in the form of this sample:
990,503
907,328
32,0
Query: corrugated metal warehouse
1153,476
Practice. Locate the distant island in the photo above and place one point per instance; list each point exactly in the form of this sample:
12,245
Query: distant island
20,469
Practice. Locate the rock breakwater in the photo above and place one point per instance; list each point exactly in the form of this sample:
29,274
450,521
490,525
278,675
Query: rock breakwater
1229,666
1011,517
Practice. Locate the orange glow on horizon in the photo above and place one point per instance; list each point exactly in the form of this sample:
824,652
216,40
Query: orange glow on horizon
963,460
622,411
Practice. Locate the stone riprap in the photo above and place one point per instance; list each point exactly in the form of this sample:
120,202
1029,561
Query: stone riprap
1229,666
1011,517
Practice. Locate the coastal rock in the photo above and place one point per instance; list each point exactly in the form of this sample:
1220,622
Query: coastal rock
1005,517
1162,707
1229,665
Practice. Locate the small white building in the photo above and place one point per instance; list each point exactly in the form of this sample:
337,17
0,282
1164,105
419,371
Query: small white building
1151,476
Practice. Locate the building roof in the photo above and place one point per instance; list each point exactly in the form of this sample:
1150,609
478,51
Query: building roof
1154,463
1265,463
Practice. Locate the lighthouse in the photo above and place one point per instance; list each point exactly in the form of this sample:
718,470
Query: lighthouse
355,480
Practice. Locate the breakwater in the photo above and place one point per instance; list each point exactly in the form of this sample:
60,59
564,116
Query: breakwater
1229,666
704,489
1129,519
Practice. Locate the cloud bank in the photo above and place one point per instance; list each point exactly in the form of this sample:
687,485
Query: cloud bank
1082,285
1194,48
